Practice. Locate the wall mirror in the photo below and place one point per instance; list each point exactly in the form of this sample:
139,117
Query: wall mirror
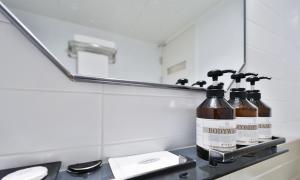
140,42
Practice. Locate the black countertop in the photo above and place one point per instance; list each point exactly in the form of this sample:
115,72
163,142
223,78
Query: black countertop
202,170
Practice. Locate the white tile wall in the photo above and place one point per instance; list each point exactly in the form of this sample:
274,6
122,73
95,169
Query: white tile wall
268,52
38,121
93,121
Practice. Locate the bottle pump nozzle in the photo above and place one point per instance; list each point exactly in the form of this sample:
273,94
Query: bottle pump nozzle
216,73
238,76
254,79
199,83
182,81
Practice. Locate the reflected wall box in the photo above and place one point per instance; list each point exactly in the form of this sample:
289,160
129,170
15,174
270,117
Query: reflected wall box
90,63
215,124
245,112
264,112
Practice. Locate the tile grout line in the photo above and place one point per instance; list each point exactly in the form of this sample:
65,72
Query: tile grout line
95,92
265,52
264,27
272,9
102,126
4,22
143,140
49,150
277,167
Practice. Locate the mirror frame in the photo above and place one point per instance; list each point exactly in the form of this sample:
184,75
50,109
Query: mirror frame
78,78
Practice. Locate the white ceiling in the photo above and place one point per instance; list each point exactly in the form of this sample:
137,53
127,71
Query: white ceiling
150,20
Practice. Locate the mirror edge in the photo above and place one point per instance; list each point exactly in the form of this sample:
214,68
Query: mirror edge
73,77
245,46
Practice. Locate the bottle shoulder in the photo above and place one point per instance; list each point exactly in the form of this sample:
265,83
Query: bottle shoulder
215,103
244,108
215,108
263,109
238,103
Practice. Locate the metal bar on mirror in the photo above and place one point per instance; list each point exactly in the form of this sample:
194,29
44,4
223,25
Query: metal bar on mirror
75,46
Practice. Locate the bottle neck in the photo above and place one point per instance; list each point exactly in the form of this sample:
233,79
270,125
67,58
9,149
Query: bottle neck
215,93
238,94
253,95
215,83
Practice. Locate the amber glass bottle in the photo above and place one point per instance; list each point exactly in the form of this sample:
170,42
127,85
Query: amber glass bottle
264,111
215,120
245,112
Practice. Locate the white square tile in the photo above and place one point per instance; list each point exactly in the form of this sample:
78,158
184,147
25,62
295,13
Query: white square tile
148,91
130,118
260,38
264,16
39,121
276,5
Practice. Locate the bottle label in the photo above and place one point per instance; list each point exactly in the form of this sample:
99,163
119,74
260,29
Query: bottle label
264,127
216,134
247,131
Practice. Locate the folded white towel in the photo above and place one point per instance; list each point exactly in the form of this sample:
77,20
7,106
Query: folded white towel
133,166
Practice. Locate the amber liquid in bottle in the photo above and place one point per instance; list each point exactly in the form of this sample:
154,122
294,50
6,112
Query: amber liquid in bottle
263,109
263,120
213,108
246,114
264,112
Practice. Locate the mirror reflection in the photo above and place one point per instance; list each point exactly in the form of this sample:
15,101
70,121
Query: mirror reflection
157,41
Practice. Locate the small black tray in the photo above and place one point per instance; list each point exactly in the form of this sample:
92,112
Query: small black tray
53,169
218,156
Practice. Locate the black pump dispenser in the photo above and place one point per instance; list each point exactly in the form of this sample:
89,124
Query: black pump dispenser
199,83
264,112
215,124
214,74
245,112
255,94
182,81
216,89
239,92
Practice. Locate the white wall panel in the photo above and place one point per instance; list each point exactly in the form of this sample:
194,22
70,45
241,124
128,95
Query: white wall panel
36,98
38,121
131,118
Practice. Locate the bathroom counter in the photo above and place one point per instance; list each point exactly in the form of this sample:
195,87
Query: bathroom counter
201,171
